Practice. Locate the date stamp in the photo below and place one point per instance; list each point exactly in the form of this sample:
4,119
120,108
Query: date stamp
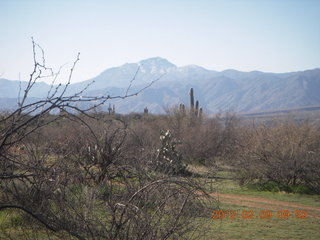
263,214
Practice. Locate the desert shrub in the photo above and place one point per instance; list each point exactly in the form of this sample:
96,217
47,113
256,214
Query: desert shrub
285,154
204,140
95,184
83,175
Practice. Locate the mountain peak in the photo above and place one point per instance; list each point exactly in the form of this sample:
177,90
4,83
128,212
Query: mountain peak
158,61
156,64
225,90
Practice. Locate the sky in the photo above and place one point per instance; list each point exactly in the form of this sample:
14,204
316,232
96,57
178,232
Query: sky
246,35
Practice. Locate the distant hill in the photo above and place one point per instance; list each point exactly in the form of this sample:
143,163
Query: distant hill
227,90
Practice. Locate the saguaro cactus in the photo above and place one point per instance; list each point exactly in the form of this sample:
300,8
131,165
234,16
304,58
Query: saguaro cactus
109,109
191,100
182,109
197,108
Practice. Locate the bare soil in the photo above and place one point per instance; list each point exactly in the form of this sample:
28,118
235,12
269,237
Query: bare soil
263,203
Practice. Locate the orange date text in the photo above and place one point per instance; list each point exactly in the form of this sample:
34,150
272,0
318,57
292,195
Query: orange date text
263,214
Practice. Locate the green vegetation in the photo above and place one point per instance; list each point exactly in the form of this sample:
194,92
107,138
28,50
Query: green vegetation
260,228
229,185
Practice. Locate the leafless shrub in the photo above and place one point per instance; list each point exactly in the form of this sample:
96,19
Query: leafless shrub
83,177
286,153
204,140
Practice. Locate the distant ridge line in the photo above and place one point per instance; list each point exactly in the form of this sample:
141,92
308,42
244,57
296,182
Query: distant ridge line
290,110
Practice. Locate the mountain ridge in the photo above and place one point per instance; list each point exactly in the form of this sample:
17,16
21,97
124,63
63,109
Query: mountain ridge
225,90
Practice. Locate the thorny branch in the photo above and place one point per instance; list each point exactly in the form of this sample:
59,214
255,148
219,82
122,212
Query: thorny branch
56,98
71,192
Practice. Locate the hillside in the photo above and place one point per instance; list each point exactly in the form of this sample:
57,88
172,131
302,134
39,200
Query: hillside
227,90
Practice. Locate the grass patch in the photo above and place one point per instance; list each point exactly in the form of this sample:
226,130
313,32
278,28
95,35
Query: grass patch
257,228
230,186
225,182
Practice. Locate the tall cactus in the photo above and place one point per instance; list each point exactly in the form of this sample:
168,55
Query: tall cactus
197,108
145,111
191,100
109,109
182,109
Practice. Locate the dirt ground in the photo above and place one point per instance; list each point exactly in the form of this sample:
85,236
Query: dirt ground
263,203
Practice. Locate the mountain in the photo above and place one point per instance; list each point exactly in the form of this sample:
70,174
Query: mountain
226,90
121,76
11,89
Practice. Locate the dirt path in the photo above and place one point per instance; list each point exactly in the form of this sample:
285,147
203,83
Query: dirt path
263,203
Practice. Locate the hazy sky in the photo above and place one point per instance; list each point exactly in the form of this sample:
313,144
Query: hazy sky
265,35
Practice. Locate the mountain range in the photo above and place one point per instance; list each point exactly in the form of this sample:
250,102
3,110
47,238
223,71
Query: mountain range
228,90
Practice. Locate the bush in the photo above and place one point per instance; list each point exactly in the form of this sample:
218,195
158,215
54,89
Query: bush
168,159
284,153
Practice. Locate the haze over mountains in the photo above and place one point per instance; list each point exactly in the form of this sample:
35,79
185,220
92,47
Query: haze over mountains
226,90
